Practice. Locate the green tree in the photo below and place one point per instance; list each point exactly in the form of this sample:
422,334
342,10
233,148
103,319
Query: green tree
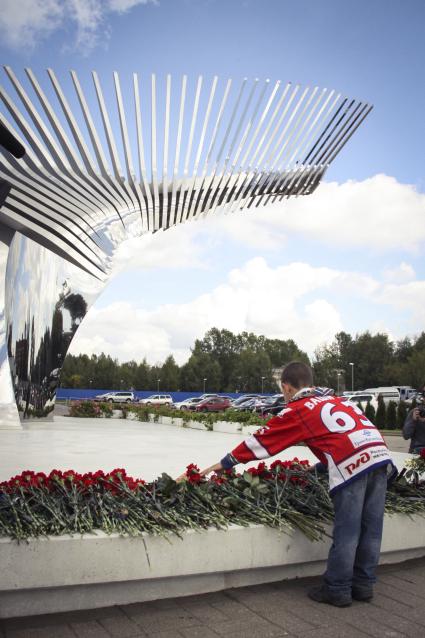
200,366
370,412
223,346
249,371
127,373
142,376
403,350
105,374
401,414
391,416
154,375
371,354
416,368
75,381
170,375
380,419
282,352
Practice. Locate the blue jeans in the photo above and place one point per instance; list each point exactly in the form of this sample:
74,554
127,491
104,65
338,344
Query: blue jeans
357,534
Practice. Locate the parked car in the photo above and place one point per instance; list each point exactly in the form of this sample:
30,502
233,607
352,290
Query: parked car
188,404
157,399
214,404
248,405
243,399
387,393
362,399
272,405
115,397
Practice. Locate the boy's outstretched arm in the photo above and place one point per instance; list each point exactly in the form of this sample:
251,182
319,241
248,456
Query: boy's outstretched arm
217,467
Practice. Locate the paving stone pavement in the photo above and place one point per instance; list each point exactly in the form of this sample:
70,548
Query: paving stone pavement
264,611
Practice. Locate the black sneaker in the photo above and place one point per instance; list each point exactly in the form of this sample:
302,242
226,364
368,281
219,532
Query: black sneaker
322,595
363,596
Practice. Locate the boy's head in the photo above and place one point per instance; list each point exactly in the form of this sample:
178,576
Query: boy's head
295,376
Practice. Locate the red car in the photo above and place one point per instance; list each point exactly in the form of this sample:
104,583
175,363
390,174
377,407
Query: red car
214,404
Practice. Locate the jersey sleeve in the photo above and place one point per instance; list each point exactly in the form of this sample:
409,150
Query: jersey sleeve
280,433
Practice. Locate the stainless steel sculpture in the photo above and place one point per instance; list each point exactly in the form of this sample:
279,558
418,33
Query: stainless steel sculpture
201,148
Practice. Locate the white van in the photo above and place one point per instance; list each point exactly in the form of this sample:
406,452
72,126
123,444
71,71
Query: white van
390,393
406,392
362,399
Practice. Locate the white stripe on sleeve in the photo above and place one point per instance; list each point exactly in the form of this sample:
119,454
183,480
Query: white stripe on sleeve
256,448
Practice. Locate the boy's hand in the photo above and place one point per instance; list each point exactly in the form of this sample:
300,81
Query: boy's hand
217,467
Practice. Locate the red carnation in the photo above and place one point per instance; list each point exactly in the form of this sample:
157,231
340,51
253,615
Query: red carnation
193,474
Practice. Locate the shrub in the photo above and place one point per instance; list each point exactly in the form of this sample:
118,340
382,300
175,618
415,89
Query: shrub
106,409
380,419
391,416
142,412
370,412
236,416
401,414
85,409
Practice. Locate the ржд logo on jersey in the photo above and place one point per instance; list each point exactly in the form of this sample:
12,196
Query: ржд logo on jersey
364,457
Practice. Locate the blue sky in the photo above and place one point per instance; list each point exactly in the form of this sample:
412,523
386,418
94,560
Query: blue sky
360,237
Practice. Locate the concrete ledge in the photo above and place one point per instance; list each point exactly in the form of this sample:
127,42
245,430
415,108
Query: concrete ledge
69,573
227,427
196,425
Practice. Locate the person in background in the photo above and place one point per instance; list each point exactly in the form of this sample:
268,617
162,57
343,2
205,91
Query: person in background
358,462
414,426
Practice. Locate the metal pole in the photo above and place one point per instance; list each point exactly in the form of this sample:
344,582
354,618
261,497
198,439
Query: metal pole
262,385
158,385
352,377
204,384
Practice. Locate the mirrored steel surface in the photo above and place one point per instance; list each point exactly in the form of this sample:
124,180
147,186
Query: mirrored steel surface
203,147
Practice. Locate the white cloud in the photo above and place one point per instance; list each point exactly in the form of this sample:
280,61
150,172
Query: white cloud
121,6
174,248
25,23
378,212
295,300
408,296
255,297
400,274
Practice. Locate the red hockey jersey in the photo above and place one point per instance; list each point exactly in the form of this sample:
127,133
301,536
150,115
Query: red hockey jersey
334,429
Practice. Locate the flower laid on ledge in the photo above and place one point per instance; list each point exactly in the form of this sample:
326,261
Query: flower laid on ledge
286,495
416,467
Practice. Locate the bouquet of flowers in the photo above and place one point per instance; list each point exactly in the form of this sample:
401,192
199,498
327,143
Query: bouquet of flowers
416,468
286,495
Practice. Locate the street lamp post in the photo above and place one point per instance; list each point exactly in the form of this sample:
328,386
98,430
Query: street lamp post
205,380
158,380
262,385
338,374
352,376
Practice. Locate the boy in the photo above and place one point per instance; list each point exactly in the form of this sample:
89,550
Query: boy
357,459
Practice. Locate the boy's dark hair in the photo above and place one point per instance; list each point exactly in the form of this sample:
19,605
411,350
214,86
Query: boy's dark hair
298,374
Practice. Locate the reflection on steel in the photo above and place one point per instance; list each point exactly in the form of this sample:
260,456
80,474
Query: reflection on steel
202,147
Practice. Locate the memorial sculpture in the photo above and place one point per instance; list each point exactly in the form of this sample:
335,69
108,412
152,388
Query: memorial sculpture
67,205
